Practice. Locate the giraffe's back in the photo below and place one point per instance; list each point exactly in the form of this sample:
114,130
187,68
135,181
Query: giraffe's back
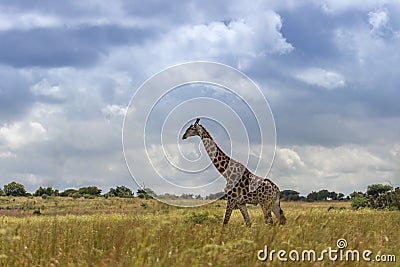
252,189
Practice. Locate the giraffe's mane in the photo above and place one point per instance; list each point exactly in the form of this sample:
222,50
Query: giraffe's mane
205,130
209,136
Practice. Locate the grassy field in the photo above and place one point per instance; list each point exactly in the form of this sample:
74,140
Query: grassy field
136,232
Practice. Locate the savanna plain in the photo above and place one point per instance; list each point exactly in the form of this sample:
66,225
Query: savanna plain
61,231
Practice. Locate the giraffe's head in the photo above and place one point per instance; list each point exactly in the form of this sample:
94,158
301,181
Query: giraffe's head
193,130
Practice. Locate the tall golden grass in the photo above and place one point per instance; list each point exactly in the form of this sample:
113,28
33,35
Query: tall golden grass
135,232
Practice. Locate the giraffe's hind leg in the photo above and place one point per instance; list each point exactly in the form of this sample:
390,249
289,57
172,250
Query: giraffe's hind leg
276,208
229,208
245,214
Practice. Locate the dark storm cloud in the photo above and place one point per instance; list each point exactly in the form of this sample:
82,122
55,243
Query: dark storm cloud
183,11
311,33
15,96
355,111
315,116
55,47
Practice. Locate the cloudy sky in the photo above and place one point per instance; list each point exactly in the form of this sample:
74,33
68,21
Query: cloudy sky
329,69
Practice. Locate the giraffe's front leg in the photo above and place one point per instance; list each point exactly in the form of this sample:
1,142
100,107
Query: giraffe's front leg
229,208
246,217
266,208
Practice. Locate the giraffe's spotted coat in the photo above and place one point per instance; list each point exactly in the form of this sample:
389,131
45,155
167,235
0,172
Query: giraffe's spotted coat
242,187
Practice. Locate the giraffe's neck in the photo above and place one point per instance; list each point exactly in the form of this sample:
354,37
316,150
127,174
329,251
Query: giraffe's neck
217,156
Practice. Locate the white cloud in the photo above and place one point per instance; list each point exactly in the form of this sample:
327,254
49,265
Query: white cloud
7,154
27,20
342,168
378,19
289,158
112,15
343,159
44,88
115,110
380,24
395,151
20,134
373,46
324,78
338,6
243,38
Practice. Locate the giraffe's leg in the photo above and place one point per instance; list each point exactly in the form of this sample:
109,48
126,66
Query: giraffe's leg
245,214
266,208
276,208
229,208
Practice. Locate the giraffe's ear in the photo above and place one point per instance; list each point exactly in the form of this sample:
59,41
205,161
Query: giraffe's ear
197,121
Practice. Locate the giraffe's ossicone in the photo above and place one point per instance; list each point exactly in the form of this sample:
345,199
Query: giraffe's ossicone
242,186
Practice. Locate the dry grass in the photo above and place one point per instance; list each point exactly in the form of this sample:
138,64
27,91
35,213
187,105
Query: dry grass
135,232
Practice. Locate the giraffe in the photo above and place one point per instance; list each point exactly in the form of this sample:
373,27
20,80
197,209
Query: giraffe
242,187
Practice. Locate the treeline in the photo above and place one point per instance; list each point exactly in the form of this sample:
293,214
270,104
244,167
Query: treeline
16,189
322,195
377,196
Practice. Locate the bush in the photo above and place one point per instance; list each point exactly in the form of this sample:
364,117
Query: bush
378,196
75,195
68,192
90,190
87,196
359,202
146,193
36,212
48,191
202,217
120,191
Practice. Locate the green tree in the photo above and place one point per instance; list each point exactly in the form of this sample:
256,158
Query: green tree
378,196
396,198
381,196
90,190
340,196
313,196
356,194
15,189
333,195
49,191
146,193
290,195
2,192
68,192
186,196
120,191
375,190
323,195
